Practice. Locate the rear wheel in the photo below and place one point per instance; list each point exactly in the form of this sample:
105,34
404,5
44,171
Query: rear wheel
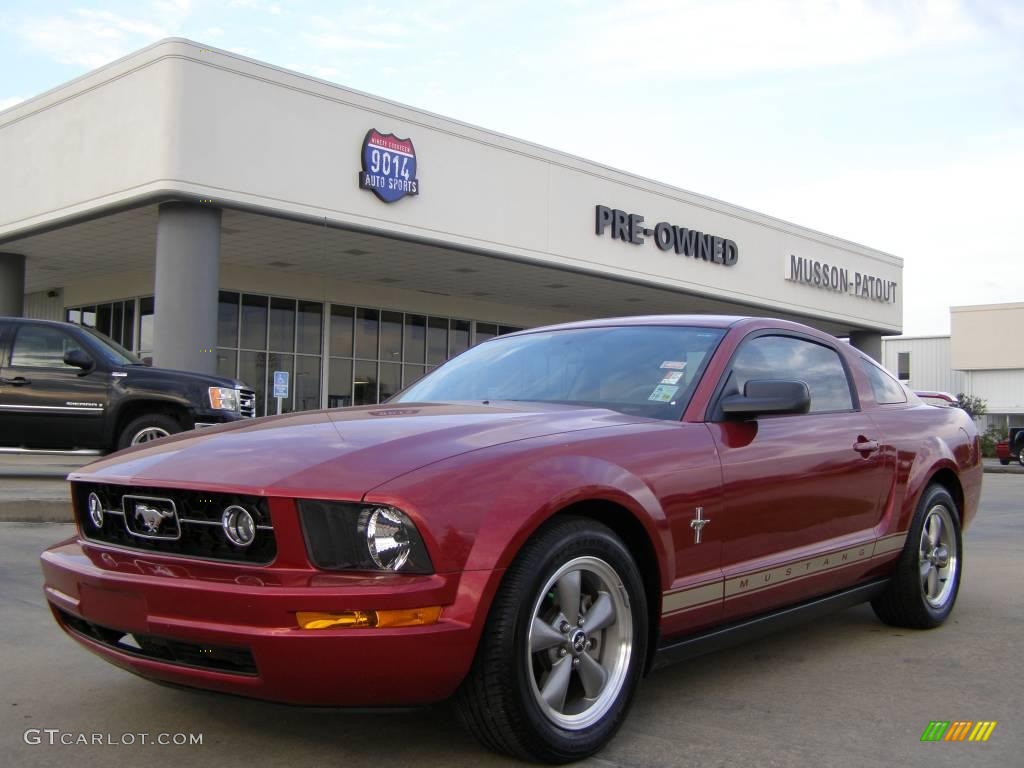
563,647
147,428
926,581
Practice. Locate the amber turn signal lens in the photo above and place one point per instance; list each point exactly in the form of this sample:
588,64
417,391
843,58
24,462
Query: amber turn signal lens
405,617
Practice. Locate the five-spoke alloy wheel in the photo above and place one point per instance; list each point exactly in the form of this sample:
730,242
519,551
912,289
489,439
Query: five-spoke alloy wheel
563,648
926,580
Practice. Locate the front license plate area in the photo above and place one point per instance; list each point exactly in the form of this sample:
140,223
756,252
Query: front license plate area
114,609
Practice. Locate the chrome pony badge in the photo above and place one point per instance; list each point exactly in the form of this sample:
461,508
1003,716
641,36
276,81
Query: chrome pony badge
150,517
389,166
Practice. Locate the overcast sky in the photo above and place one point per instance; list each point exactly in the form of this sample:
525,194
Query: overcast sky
899,124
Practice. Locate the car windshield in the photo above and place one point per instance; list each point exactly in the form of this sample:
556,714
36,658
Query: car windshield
638,370
114,352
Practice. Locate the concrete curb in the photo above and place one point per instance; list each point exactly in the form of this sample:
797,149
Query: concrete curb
35,511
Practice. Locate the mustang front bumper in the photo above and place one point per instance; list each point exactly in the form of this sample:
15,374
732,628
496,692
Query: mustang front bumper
234,630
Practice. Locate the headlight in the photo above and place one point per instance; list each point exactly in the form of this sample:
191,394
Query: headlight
223,399
341,536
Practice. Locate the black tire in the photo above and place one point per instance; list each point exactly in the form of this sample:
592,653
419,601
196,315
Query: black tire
1004,462
906,601
499,702
150,421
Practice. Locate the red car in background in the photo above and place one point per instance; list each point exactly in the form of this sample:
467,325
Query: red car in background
530,528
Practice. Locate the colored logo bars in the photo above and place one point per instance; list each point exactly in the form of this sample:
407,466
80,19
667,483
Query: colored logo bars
958,730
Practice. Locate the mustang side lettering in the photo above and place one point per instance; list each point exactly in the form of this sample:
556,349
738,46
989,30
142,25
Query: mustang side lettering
529,529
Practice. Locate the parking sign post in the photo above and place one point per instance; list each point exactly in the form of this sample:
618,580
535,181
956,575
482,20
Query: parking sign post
280,388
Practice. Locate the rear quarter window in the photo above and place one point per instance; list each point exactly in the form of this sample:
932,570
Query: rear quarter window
886,389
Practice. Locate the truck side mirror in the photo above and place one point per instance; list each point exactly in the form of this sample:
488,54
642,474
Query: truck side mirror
77,358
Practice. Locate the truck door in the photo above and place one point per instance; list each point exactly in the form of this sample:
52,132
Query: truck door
48,403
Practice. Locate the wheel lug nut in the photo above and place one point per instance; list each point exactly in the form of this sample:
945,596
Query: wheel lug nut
576,662
565,627
579,622
562,651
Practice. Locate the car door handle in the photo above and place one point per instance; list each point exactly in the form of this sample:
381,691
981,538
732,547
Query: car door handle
17,381
863,445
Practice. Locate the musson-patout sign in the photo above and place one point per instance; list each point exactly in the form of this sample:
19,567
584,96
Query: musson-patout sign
389,166
831,277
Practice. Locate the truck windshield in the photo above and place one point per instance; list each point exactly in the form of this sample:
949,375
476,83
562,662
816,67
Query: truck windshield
114,352
638,370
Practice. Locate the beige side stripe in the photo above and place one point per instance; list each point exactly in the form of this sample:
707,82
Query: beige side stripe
682,600
694,597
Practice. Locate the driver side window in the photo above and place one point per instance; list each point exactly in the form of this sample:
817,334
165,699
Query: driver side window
37,346
786,357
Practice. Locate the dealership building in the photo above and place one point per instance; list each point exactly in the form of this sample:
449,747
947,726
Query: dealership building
221,214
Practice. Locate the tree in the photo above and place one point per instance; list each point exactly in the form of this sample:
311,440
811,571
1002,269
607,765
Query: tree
974,406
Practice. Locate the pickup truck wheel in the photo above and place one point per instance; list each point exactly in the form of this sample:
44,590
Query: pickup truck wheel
926,581
1020,457
147,428
563,647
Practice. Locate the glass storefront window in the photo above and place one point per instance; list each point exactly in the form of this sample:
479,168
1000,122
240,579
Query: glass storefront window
342,326
459,337
227,362
311,327
485,331
306,383
437,340
146,315
258,334
339,383
415,339
364,391
252,369
391,336
367,332
390,380
227,319
254,322
282,325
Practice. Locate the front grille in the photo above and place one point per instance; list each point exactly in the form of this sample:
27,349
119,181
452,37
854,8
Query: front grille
199,531
247,403
236,660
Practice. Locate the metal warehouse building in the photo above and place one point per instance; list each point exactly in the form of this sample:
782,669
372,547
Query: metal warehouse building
222,214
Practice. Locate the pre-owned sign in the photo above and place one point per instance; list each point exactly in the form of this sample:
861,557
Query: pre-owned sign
629,228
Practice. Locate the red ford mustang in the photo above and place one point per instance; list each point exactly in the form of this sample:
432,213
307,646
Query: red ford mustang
530,529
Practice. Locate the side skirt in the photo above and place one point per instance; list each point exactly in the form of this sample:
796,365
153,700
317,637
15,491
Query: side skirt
750,629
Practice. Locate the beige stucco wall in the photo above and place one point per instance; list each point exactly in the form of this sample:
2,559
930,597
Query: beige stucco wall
987,336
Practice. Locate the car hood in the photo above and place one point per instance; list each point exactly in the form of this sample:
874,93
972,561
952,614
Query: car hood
142,374
336,453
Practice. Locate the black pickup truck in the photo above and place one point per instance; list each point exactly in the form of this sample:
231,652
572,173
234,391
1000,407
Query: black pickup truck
65,387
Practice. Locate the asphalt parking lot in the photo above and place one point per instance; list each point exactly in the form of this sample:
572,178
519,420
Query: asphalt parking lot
845,691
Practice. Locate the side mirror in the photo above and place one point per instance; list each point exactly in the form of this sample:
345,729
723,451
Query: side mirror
77,358
763,397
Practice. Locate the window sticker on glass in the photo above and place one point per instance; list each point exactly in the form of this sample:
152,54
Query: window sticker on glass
663,393
672,377
675,365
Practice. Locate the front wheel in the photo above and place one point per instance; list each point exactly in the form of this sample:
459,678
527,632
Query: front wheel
926,580
147,428
562,651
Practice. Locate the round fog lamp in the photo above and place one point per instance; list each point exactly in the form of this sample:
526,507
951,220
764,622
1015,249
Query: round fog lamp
387,538
95,510
238,525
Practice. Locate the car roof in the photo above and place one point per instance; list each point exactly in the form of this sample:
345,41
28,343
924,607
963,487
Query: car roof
703,321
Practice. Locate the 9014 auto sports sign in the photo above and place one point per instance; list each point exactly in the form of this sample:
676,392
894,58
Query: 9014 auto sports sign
389,166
